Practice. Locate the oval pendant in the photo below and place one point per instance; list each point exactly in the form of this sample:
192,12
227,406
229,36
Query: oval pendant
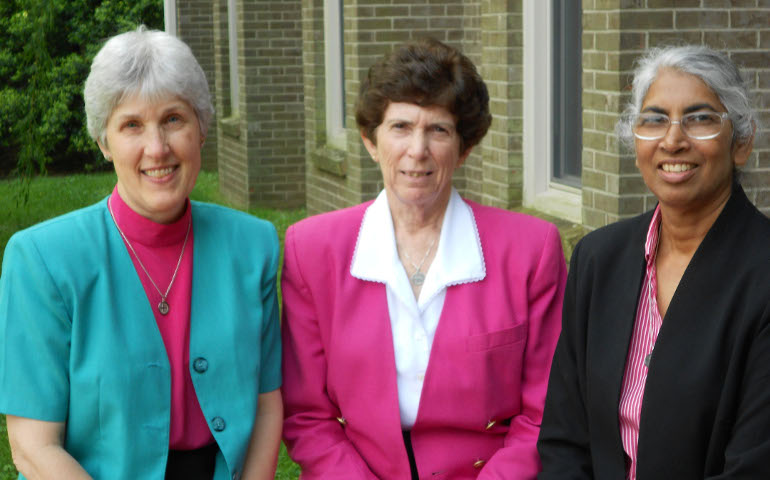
163,307
418,278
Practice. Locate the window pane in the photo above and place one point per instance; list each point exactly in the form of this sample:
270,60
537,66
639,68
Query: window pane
567,111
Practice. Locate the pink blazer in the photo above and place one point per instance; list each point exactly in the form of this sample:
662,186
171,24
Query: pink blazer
484,389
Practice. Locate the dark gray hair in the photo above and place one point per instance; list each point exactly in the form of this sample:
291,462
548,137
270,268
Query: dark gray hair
148,63
717,71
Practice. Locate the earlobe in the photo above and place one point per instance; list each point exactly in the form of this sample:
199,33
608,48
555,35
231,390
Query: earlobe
463,157
370,146
742,152
105,151
742,149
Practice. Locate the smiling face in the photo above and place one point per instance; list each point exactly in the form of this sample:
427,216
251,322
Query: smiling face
156,150
418,150
684,173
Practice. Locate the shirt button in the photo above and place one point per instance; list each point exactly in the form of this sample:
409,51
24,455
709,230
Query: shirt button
491,424
342,421
200,365
478,463
218,424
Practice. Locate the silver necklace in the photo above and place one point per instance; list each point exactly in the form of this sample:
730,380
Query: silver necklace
163,307
418,278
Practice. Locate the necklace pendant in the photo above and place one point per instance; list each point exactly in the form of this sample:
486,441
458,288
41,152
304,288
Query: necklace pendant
418,278
163,307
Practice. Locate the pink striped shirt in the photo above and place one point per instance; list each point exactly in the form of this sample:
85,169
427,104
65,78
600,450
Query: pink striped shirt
646,328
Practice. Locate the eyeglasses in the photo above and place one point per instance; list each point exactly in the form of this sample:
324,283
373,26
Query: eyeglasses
696,125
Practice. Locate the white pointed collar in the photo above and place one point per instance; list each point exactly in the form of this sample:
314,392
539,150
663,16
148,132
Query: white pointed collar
459,258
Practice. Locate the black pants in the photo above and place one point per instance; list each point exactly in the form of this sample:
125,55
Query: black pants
192,464
410,454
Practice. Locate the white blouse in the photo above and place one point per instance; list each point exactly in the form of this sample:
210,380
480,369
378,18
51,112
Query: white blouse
459,259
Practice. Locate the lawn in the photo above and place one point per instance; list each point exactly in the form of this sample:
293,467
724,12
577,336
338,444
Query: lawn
52,196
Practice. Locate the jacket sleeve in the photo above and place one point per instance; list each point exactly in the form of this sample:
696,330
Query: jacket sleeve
270,370
748,449
35,330
564,443
314,437
518,458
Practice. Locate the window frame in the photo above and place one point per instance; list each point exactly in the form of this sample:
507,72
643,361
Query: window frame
541,191
334,64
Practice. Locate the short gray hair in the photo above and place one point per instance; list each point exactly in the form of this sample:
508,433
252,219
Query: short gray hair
149,63
717,71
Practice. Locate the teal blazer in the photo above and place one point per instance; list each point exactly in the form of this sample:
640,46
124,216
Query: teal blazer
79,342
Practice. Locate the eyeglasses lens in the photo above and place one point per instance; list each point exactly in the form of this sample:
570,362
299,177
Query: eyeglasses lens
698,125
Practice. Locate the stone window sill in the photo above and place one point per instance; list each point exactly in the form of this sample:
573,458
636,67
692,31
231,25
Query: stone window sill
231,126
330,160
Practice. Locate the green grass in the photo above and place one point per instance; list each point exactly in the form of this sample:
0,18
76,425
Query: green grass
52,196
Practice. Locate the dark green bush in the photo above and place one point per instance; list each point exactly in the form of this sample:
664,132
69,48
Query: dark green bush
46,48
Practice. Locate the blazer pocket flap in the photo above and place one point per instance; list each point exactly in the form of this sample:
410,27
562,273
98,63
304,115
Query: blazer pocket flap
500,338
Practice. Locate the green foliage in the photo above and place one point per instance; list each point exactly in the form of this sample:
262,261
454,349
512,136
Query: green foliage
52,196
45,55
7,472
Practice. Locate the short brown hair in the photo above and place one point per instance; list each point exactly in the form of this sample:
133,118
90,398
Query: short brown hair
426,72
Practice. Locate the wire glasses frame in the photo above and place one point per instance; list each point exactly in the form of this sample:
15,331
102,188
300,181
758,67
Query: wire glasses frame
696,125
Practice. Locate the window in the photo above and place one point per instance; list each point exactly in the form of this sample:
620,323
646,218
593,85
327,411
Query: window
334,56
169,16
567,92
553,116
232,38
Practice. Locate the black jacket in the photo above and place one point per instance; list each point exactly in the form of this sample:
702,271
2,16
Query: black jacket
706,407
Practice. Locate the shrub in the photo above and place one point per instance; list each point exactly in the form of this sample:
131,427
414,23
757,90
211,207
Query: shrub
45,55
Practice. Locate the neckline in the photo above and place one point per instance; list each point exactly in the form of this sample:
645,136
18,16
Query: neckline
144,231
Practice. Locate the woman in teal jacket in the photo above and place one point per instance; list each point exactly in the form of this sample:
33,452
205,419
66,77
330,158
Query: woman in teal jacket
139,336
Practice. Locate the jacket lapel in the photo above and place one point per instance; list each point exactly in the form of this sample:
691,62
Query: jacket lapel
693,330
609,337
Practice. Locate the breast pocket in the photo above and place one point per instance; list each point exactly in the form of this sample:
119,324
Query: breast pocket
492,365
506,338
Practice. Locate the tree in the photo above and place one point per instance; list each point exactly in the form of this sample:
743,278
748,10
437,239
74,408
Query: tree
45,55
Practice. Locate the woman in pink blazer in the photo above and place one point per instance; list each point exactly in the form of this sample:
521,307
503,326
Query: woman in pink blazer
419,328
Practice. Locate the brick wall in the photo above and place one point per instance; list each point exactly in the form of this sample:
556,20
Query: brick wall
281,129
501,67
261,146
373,27
232,165
615,32
195,27
271,92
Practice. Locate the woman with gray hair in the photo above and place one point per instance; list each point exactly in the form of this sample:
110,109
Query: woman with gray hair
140,335
661,369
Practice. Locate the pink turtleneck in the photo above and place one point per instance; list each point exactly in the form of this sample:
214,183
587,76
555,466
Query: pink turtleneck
159,245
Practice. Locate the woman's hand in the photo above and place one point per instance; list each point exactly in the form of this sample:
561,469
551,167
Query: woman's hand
36,447
262,456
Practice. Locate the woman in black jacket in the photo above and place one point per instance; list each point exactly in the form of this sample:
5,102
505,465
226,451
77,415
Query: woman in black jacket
663,364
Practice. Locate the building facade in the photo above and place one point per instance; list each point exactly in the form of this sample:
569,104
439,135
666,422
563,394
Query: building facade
558,73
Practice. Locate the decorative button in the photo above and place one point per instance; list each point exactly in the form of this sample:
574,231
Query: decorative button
478,463
218,423
491,424
200,365
342,420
